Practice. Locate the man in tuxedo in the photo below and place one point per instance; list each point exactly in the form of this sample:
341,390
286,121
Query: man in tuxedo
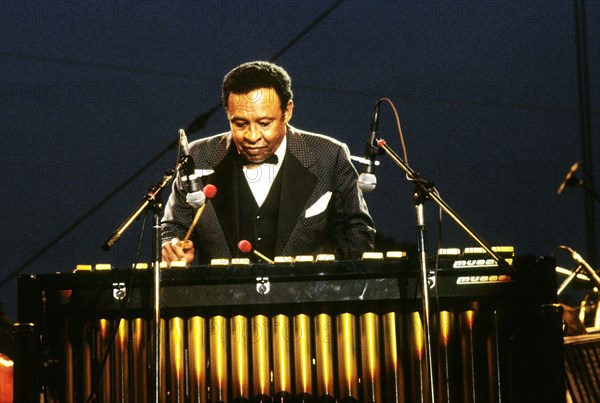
287,191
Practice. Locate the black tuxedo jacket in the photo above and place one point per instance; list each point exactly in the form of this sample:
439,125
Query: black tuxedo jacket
321,210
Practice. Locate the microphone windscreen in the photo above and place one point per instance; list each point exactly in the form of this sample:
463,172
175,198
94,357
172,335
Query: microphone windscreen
245,246
195,199
210,191
367,182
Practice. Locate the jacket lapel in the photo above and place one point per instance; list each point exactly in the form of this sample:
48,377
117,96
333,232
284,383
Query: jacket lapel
226,203
221,211
297,186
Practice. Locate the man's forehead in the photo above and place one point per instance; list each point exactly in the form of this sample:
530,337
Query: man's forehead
262,95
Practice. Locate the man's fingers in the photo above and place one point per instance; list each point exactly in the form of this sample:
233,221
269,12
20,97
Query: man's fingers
177,250
185,245
171,252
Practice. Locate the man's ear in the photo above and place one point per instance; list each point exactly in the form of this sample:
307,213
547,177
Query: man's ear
289,111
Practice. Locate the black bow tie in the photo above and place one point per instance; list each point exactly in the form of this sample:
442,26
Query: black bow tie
244,161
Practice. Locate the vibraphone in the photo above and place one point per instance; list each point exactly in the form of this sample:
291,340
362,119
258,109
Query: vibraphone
326,332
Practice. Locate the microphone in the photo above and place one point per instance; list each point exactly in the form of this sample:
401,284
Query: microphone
246,247
367,180
195,197
569,179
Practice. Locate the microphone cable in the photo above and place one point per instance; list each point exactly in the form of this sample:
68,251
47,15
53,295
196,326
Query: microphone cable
418,180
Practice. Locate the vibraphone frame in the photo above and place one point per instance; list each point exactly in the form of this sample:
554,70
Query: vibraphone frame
338,331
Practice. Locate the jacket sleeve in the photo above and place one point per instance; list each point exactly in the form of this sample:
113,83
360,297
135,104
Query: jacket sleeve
178,215
352,226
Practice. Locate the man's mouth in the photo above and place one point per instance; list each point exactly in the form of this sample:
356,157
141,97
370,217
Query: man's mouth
253,151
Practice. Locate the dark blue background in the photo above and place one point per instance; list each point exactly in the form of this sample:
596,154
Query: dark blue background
486,91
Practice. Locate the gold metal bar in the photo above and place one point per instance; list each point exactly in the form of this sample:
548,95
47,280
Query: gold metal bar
69,371
370,352
261,369
419,380
324,345
139,340
218,359
467,341
282,364
446,373
394,370
121,376
303,356
240,378
164,385
347,356
102,347
197,359
86,360
493,353
177,359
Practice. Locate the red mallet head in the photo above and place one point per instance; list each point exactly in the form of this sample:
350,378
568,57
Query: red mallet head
210,191
245,246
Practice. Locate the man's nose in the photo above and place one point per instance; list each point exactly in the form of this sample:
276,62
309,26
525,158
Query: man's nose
253,134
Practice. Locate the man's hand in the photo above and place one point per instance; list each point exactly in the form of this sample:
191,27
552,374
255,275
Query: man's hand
176,251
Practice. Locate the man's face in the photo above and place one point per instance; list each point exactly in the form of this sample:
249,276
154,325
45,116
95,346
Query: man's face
257,122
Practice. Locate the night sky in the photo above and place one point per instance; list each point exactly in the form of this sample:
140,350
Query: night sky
487,94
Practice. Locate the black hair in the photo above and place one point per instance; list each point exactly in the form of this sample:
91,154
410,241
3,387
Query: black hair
254,75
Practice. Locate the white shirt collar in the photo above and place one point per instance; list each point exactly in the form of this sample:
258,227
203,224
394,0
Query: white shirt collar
280,152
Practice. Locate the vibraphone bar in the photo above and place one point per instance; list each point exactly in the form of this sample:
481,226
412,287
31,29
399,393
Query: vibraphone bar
327,332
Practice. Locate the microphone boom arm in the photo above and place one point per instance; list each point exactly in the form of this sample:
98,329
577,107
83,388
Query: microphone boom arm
148,200
429,190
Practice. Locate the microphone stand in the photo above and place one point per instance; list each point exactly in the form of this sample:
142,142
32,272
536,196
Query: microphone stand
426,190
152,200
582,266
